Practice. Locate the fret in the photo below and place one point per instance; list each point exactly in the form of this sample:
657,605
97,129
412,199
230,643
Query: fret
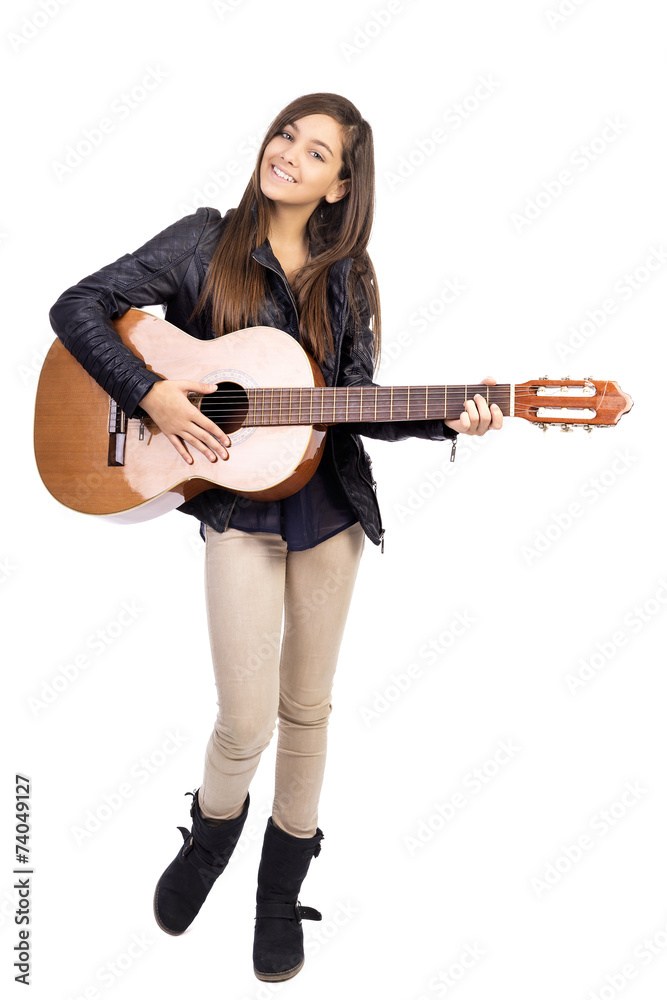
426,404
347,401
375,414
445,417
391,403
407,412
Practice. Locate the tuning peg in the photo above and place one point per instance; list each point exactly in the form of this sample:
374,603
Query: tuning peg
542,426
587,428
566,427
565,378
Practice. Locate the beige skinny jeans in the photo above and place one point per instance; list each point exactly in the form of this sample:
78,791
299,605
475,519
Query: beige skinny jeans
267,668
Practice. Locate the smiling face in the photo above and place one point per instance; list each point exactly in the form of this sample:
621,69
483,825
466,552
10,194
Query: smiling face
301,165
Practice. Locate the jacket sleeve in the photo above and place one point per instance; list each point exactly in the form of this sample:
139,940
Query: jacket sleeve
151,275
356,368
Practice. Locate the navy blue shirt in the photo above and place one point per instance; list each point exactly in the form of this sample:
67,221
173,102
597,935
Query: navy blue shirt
316,512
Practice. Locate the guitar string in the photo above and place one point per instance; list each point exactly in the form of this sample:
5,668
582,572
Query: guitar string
384,412
274,401
280,397
265,398
450,390
459,387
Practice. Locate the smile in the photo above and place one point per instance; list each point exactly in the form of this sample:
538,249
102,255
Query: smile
281,175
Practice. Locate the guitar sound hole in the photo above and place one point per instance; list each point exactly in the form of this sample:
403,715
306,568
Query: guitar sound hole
227,406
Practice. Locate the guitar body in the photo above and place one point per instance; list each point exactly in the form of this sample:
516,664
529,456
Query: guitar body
270,399
94,461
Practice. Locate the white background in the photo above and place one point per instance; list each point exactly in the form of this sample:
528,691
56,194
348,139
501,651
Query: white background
490,541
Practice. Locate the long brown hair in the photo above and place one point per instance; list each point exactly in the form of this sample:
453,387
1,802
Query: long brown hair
235,284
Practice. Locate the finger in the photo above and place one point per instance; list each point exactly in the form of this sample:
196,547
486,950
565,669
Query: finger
473,415
484,413
496,417
201,440
460,424
195,442
180,448
489,380
198,387
206,423
216,432
211,436
200,419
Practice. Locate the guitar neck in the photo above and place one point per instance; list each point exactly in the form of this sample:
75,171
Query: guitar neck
356,404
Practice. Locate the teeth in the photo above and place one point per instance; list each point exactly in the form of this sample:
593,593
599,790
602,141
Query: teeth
281,173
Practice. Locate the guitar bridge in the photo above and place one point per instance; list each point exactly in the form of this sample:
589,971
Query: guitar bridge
117,435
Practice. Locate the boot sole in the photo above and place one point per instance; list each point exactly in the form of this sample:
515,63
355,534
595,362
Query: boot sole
276,977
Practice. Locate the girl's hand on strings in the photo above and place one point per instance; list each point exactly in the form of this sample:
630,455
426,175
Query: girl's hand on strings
167,404
477,418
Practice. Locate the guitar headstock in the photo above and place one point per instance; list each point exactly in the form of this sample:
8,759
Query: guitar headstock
570,402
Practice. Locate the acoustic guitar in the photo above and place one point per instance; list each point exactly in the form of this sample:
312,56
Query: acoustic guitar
271,400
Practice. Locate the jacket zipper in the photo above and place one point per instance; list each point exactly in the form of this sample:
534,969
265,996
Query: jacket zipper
287,286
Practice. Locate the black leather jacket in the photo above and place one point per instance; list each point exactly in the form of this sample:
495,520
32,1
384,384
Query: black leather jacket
169,269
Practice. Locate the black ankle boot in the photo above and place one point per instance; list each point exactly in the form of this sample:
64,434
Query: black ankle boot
185,884
278,947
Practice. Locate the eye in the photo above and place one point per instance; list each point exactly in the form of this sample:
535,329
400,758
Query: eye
314,152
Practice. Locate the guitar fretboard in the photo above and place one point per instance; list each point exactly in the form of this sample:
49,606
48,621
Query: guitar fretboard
353,404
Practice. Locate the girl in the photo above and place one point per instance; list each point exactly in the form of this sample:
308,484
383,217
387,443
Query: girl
293,255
